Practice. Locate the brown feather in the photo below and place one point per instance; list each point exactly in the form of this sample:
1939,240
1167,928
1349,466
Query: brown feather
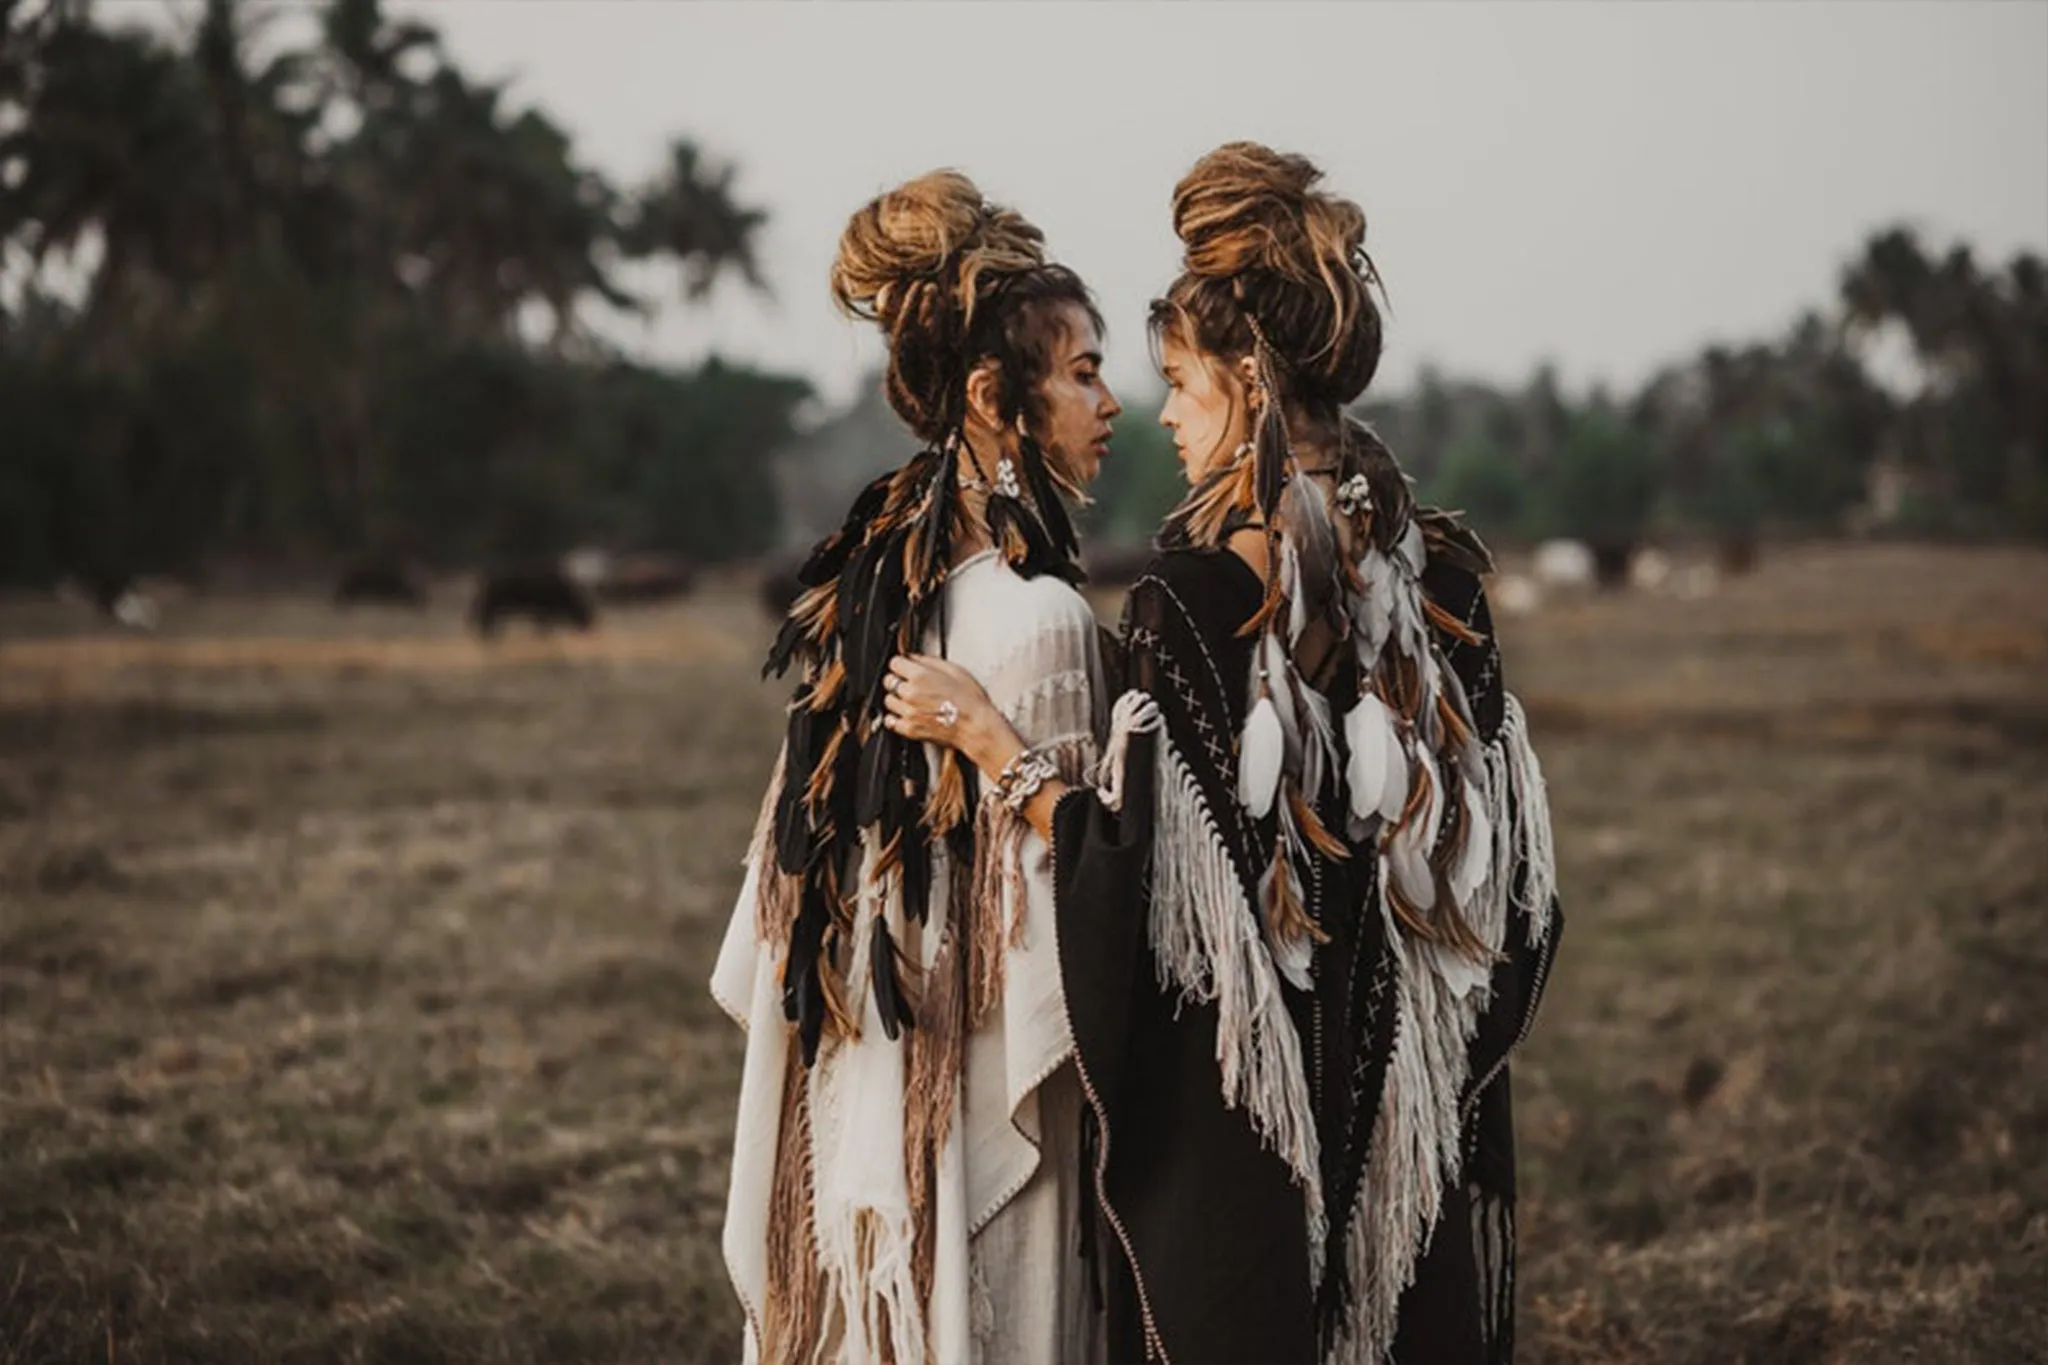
1313,829
825,689
1284,910
890,859
1449,624
946,804
1418,796
819,788
1455,729
1452,927
1413,919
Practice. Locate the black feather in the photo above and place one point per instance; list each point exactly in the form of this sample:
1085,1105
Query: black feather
1045,495
829,557
878,765
870,603
793,824
806,940
1270,471
883,970
839,803
917,874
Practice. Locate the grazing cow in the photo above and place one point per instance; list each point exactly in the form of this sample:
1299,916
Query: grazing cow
379,584
1513,594
137,610
646,578
545,596
119,597
1735,553
1611,559
1563,564
1650,571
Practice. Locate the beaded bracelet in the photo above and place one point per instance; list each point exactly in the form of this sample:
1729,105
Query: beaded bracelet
1022,776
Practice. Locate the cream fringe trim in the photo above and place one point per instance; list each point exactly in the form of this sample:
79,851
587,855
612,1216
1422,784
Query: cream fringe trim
866,1262
1207,943
1418,1139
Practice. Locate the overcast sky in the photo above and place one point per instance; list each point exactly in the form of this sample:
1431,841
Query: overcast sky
1605,184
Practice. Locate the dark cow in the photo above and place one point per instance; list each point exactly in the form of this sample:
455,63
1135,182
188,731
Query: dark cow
1611,559
545,596
647,578
379,584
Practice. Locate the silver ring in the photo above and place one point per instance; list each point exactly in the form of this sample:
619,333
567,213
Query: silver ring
948,713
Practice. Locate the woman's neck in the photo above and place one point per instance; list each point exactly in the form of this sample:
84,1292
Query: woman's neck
1249,544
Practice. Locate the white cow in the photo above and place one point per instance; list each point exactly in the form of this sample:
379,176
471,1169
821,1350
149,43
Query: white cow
1513,594
1563,564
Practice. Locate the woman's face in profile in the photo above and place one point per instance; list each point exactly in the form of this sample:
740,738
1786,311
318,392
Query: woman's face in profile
1077,403
1205,408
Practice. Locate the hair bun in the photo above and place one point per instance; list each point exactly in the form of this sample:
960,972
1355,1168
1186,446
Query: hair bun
913,253
1246,207
920,260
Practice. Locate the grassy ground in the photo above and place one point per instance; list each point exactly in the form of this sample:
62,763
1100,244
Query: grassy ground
352,978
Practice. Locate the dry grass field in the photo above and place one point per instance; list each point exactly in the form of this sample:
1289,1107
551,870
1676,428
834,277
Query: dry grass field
352,998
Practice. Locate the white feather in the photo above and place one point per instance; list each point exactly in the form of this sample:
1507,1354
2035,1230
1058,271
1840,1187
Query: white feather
1369,731
1297,600
1293,958
1258,758
1414,841
1319,743
1427,719
1413,551
1461,973
1475,860
1432,808
1372,613
1394,787
1411,868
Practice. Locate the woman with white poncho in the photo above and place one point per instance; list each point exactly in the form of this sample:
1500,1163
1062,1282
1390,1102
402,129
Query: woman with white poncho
1306,910
905,1183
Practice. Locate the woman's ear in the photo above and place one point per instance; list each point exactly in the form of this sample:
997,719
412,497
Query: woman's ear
984,395
1248,372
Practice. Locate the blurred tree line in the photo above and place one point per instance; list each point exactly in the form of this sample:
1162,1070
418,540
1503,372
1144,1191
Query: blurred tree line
328,299
329,302
1791,436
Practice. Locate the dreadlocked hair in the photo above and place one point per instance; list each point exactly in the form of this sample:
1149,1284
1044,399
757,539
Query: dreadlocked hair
1276,270
954,283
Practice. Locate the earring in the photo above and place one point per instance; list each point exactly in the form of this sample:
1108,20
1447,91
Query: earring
1006,478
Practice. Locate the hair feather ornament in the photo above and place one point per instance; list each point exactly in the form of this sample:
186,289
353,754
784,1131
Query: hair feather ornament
1407,774
857,799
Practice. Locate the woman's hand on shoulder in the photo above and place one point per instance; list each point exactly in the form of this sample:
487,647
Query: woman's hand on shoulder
936,700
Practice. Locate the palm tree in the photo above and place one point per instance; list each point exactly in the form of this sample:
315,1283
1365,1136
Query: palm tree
689,212
113,146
